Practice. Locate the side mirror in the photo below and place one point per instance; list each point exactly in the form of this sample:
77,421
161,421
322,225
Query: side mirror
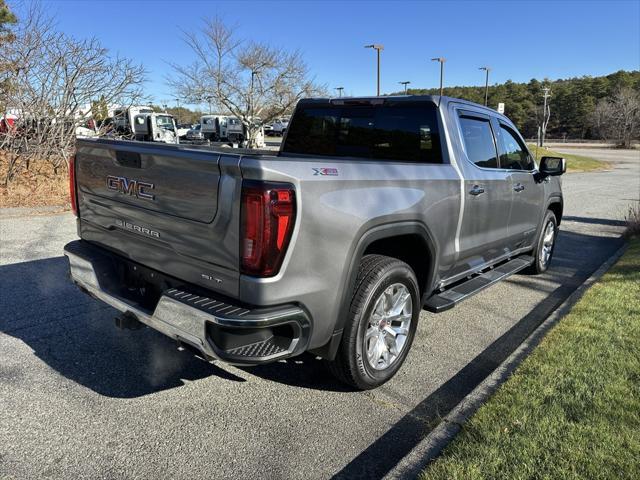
552,166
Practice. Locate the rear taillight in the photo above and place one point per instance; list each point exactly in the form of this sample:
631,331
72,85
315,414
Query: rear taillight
268,213
72,186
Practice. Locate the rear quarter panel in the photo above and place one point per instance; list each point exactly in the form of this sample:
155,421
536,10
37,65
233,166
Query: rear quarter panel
335,209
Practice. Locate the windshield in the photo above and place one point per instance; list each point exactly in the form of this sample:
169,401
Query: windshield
163,121
402,132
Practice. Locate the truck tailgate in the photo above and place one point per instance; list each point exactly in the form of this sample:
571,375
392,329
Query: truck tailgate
185,183
159,205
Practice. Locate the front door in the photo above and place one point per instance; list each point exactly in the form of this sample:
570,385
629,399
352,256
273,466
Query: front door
528,194
487,195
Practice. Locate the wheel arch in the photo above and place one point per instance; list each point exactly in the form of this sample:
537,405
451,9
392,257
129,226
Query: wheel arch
402,240
556,205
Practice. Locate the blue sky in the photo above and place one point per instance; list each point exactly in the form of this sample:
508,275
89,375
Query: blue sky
519,40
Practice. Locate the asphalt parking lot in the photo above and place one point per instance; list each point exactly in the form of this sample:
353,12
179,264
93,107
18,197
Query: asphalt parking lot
81,399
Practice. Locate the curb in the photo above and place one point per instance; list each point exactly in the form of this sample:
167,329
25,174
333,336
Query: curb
430,447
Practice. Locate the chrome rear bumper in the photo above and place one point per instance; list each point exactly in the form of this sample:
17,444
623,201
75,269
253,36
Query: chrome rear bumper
219,329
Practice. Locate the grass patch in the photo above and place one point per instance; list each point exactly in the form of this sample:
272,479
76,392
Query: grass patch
633,220
572,408
575,163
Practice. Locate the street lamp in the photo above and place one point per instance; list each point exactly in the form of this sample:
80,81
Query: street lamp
177,109
208,99
253,74
378,48
405,86
486,85
441,60
340,89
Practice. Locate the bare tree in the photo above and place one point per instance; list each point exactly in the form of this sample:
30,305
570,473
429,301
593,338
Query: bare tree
247,79
53,82
601,120
618,117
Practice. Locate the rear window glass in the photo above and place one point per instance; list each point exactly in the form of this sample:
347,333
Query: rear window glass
478,142
392,132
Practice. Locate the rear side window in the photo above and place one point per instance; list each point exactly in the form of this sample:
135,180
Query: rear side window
478,141
514,154
388,132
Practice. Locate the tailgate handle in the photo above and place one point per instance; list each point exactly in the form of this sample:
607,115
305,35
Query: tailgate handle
128,159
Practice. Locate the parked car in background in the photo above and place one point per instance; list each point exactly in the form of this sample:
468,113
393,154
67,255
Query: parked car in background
374,209
279,126
195,134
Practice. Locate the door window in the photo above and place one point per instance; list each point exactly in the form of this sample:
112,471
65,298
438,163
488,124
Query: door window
478,141
514,154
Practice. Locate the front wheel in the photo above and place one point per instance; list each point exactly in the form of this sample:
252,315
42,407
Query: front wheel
545,245
381,324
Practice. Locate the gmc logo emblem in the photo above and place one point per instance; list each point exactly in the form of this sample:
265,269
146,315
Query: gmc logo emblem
127,186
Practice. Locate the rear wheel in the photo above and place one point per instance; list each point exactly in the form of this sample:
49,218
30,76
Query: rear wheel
545,245
382,322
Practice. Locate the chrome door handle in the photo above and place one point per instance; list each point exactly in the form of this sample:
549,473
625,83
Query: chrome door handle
518,187
476,190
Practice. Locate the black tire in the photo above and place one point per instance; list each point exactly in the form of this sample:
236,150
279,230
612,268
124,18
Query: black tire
539,264
376,274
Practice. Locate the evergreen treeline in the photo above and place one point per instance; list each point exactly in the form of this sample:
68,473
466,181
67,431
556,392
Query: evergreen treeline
573,101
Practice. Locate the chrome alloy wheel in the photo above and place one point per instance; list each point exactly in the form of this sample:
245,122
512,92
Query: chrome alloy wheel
388,326
548,239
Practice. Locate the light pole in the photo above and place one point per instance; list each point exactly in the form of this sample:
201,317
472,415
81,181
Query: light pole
486,85
208,99
253,74
378,48
405,86
177,109
441,60
340,89
546,114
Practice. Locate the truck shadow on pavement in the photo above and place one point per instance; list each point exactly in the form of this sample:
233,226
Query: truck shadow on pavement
75,335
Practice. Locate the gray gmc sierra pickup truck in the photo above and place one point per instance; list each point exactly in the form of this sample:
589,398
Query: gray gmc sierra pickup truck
373,209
